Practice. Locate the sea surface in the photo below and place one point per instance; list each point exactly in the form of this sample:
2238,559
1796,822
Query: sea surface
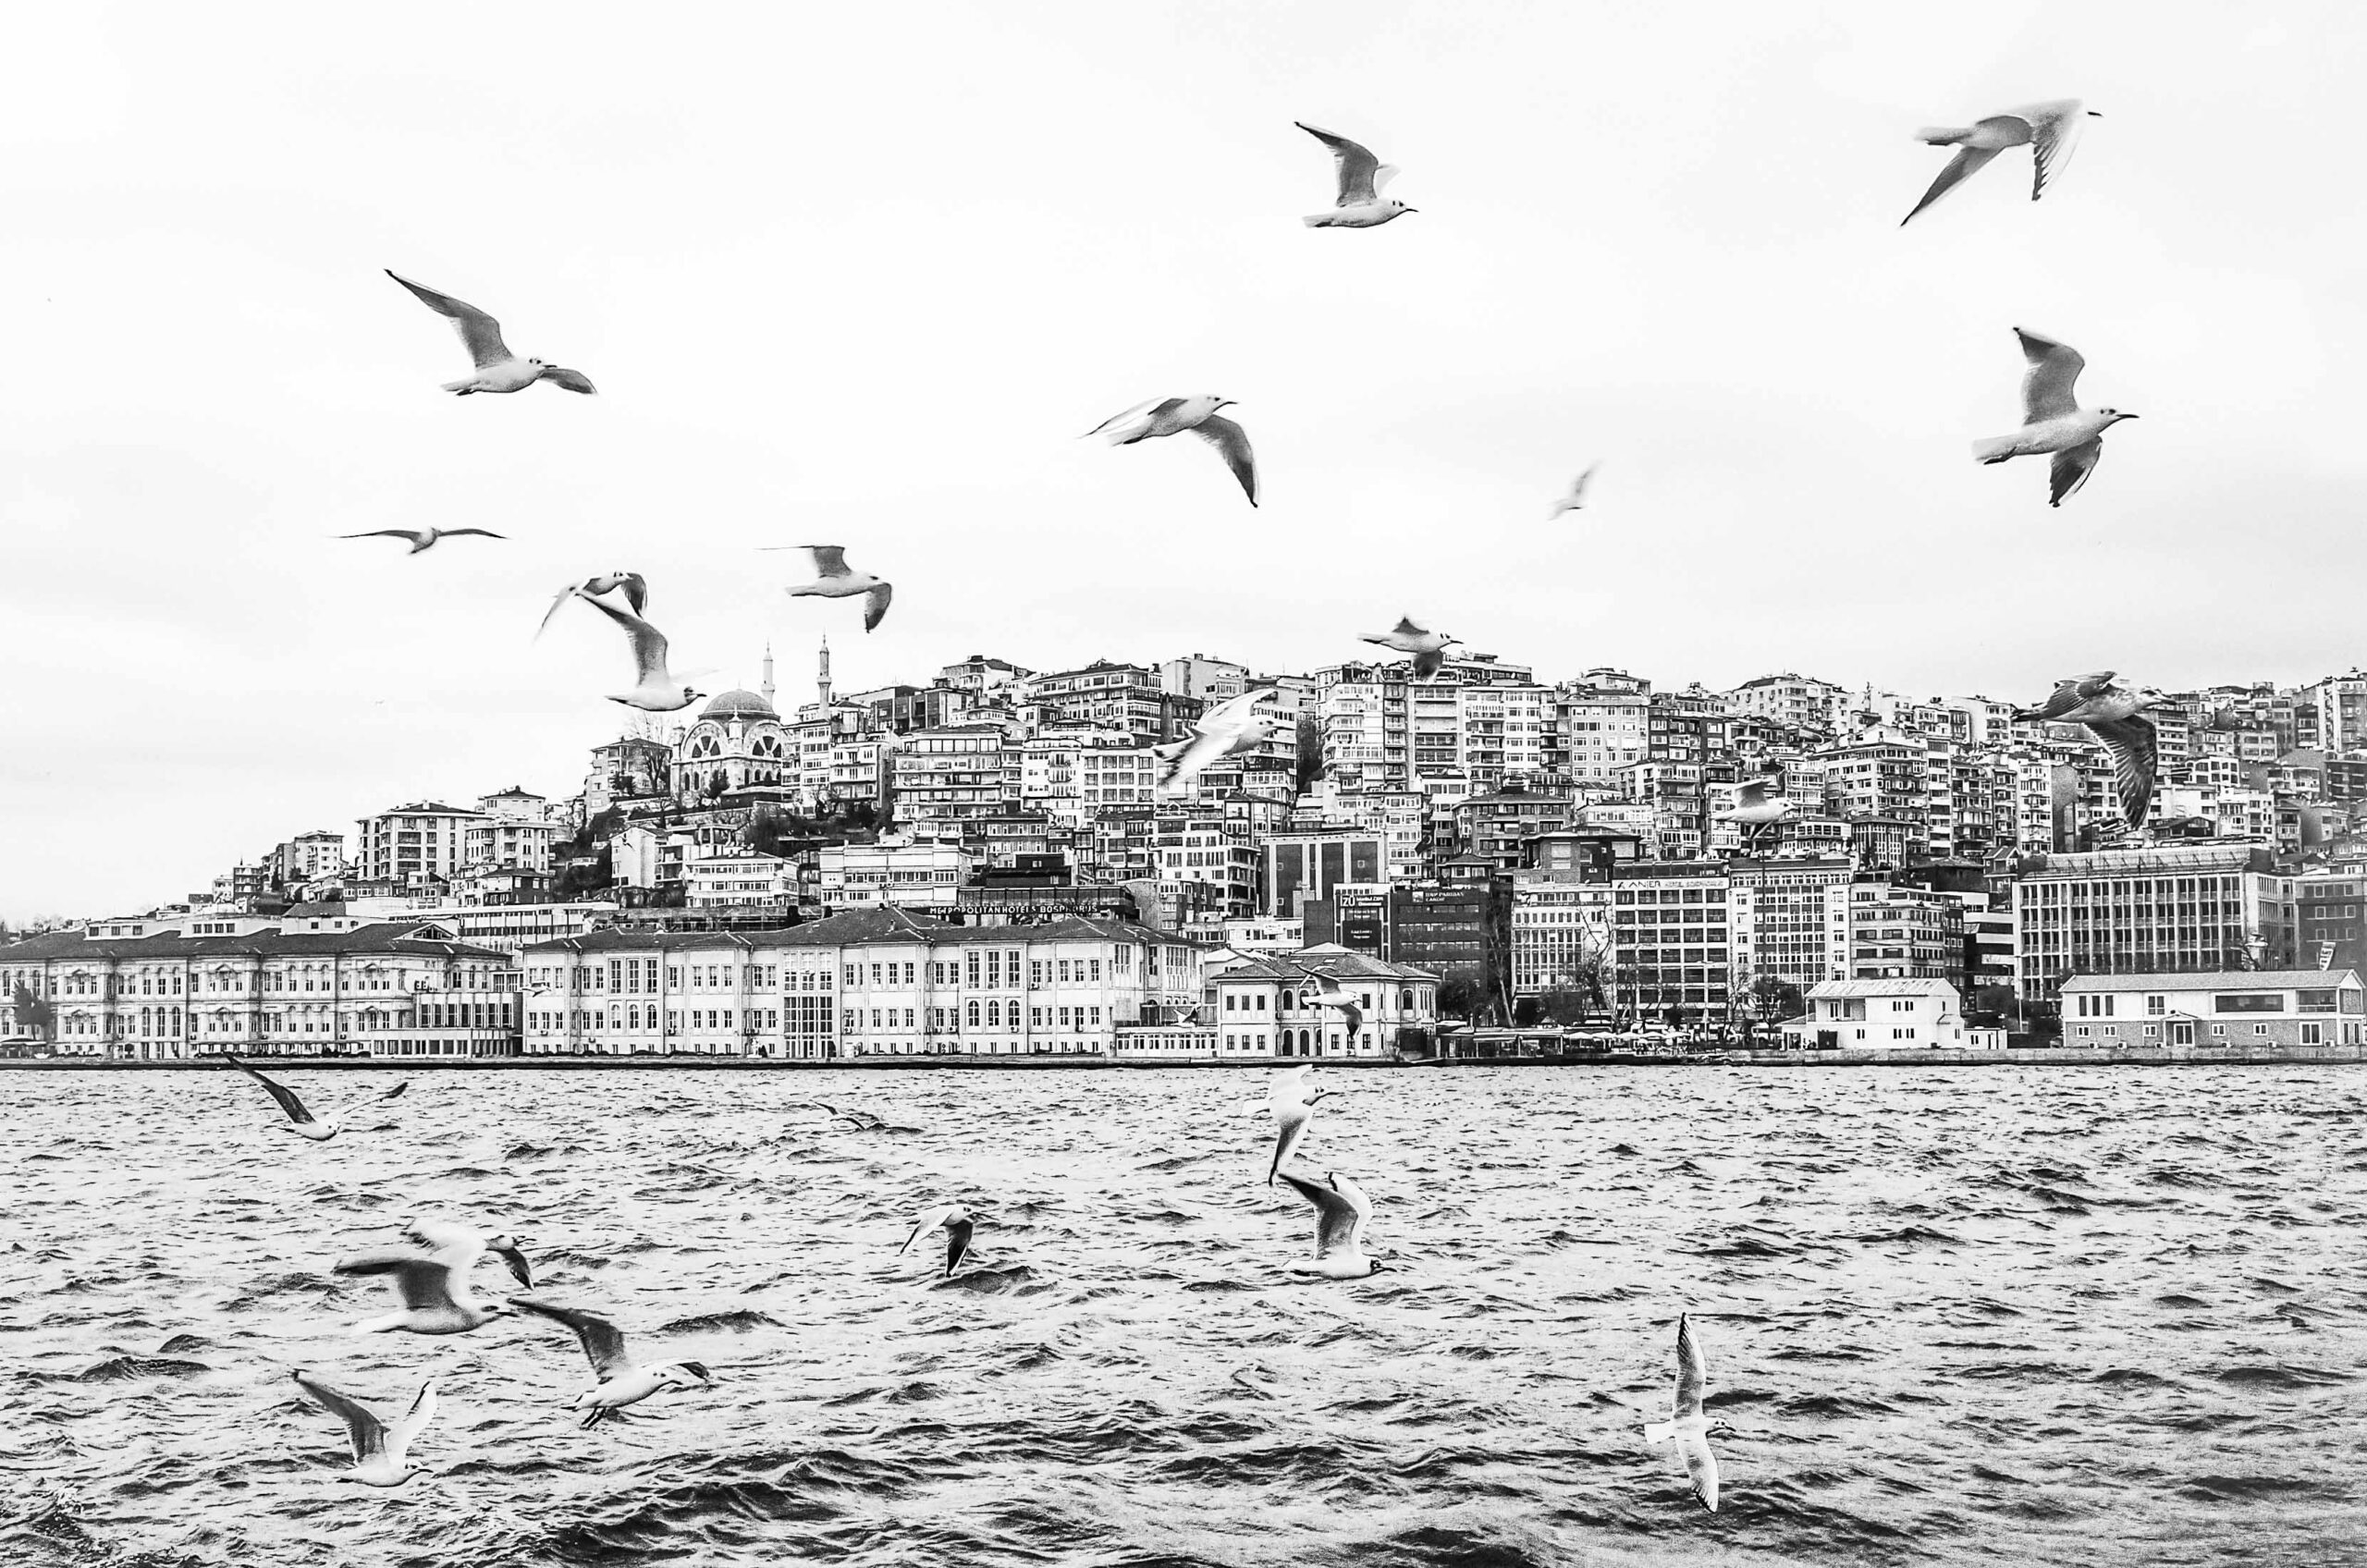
1958,1317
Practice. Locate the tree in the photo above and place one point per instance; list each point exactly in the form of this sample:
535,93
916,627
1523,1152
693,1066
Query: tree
1310,752
1564,1005
34,1014
1458,995
575,880
1993,1001
1772,998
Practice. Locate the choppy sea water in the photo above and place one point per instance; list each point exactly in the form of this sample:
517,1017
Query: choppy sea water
1979,1315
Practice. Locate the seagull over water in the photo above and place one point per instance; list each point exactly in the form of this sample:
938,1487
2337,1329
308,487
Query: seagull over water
1428,648
498,369
2049,130
381,1454
2115,713
1292,1095
463,1245
2053,420
1227,729
1170,416
434,1283
833,579
957,1224
301,1121
421,538
1577,498
1363,177
1689,1427
636,591
656,688
1341,1212
617,1383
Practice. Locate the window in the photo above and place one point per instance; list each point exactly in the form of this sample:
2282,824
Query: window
2312,1033
2250,1002
2155,1007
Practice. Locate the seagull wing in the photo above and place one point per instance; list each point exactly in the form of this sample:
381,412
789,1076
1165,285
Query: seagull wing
1692,1371
1750,792
564,594
513,1259
1405,627
485,532
636,589
602,1345
829,561
2134,755
1123,427
875,605
1357,166
957,1243
2054,372
573,380
1233,442
410,533
478,330
424,1282
1428,664
414,1421
2055,133
648,642
280,1092
367,1433
1966,164
1293,1099
1702,1468
2071,468
1340,1212
1198,753
922,1223
1232,713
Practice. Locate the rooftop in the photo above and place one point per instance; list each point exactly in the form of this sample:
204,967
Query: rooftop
2219,980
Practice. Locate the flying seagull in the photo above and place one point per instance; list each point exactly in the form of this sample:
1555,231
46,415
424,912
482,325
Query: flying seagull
434,1284
1227,729
1292,1094
833,579
1363,177
498,369
636,589
1428,648
421,538
655,689
957,1225
2050,129
2052,419
1754,807
2115,713
1577,498
301,1121
380,1452
1331,993
615,1382
1341,1211
464,1245
856,1121
1691,1429
1169,416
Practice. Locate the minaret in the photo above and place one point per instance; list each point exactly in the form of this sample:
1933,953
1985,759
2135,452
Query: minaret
766,691
826,671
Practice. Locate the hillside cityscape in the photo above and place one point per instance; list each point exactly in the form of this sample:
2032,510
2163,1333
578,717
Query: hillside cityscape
1476,846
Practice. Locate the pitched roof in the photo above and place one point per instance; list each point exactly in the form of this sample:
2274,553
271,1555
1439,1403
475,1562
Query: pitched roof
384,936
1926,986
885,927
2221,980
1329,959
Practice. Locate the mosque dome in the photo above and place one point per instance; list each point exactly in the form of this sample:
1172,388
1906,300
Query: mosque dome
739,705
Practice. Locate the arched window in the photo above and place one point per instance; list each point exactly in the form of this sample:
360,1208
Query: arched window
1406,1000
973,1014
994,1014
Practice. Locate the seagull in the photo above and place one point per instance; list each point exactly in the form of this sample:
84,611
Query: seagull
1577,498
957,1224
465,1245
858,1121
2114,712
434,1283
379,1451
1331,993
2051,130
615,1381
498,369
301,1121
1754,807
635,586
1691,1429
835,579
421,538
1341,1212
655,687
2051,421
1428,648
1168,416
1292,1094
1363,177
1227,729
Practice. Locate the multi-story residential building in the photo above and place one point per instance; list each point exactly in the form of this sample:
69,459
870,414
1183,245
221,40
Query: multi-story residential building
414,843
1498,827
1202,844
946,777
311,983
740,878
2283,1008
875,983
1597,732
1790,920
1802,702
1208,681
1672,937
2159,910
627,771
317,856
1128,698
893,871
1902,933
513,831
1268,1008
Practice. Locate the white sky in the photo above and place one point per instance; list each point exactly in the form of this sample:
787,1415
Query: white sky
861,275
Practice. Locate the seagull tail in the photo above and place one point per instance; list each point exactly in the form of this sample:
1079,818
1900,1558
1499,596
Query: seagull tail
1942,135
1660,1431
1320,220
1995,450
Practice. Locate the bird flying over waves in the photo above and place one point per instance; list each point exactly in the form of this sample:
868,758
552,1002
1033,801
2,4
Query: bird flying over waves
1331,993
421,538
2053,420
2115,713
856,1121
301,1121
1428,648
635,586
656,688
1363,177
1577,498
1341,1212
1170,416
1691,1429
1230,727
498,369
2050,129
462,1246
434,1284
955,1221
833,579
381,1454
1292,1094
615,1381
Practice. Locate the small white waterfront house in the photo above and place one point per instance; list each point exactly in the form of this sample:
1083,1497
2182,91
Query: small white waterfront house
1888,1015
2278,1007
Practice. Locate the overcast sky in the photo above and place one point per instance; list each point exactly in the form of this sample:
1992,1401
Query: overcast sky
861,273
